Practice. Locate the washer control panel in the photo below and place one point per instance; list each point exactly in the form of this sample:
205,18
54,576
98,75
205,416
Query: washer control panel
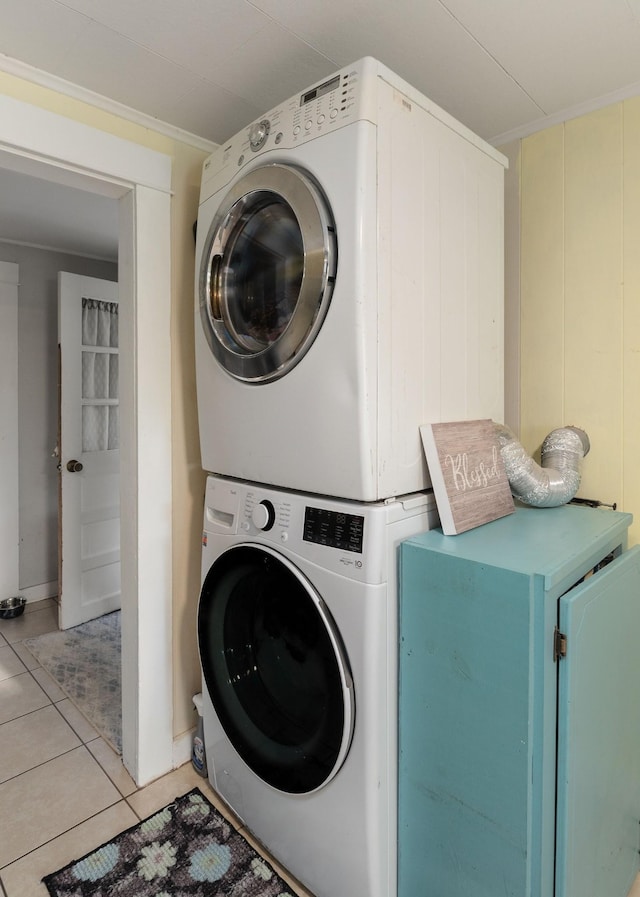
263,515
351,538
335,529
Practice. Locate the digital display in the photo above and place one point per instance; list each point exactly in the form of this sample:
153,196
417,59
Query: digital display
334,529
320,91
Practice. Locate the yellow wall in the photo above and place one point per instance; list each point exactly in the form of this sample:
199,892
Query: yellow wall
188,479
579,294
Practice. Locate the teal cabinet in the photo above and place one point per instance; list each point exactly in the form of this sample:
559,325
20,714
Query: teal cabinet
519,710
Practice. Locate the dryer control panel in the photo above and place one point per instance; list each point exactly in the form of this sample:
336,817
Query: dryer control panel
348,96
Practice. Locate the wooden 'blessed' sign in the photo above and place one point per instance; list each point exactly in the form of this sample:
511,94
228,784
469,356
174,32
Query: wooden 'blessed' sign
467,473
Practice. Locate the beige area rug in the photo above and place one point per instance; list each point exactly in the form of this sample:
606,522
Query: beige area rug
85,662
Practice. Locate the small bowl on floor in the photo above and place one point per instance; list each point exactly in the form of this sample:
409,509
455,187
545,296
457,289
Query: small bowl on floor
12,607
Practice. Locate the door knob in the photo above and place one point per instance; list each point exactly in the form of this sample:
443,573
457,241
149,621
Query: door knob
74,466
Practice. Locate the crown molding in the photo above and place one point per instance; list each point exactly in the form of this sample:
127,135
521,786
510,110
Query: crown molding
44,79
557,118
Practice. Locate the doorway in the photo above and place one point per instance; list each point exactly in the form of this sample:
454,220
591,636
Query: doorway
50,146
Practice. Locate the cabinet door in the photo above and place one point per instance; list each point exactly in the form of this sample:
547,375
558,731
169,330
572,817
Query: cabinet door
599,734
465,736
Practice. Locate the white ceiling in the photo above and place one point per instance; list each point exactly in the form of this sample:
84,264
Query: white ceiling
39,213
209,67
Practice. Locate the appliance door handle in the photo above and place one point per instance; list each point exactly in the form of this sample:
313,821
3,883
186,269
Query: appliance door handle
214,288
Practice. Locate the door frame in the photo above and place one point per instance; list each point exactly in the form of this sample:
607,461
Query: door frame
47,145
9,454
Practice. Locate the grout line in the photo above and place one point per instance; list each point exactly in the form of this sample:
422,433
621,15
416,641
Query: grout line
82,744
114,803
24,669
73,729
27,712
49,760
120,798
61,834
133,809
111,778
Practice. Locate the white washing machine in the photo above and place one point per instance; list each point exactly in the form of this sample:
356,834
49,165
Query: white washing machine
349,288
298,642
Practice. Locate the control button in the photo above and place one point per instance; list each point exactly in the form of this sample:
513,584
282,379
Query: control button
321,118
296,130
307,125
240,161
279,137
263,515
333,113
245,526
258,134
284,536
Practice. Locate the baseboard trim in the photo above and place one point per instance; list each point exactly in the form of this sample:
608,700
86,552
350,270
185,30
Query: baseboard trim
40,592
182,748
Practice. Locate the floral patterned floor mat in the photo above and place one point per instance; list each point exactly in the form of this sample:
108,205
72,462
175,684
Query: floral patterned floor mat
188,849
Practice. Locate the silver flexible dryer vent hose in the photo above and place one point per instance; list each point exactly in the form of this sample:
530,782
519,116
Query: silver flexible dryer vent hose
556,479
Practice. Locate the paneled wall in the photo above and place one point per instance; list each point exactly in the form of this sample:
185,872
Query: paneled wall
579,294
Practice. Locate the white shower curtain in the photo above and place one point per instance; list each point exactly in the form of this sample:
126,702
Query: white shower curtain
100,430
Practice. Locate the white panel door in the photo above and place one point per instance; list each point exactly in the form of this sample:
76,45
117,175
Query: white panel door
9,536
88,441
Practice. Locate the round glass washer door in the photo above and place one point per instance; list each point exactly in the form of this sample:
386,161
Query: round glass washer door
267,273
275,669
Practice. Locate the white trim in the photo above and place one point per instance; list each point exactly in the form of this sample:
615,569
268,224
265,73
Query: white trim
182,746
52,82
9,449
80,147
52,248
145,452
557,118
512,324
92,158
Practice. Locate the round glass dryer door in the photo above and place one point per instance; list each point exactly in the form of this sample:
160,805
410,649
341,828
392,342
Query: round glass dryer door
275,669
267,273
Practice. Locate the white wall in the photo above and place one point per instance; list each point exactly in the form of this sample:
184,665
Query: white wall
37,401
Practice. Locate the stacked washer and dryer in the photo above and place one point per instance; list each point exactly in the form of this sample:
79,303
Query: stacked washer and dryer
349,288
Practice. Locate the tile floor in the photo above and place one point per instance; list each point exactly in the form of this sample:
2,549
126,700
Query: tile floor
63,791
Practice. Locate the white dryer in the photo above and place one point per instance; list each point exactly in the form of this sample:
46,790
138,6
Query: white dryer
349,288
298,642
